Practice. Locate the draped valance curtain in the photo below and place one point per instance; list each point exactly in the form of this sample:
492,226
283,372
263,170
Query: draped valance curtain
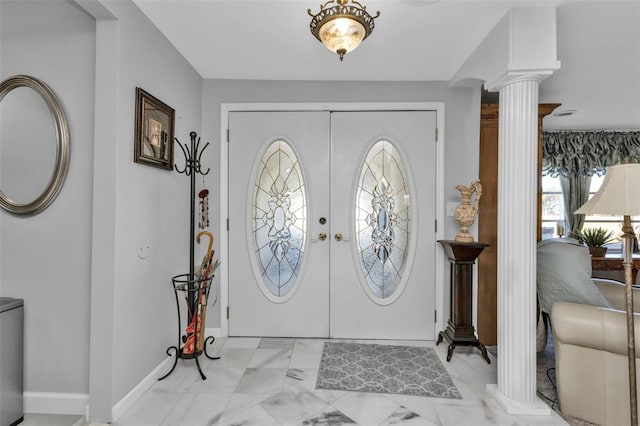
575,156
570,153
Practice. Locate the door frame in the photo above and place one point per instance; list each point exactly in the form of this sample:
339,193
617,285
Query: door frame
223,238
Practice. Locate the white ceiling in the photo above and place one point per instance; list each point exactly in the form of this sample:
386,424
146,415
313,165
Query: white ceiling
415,40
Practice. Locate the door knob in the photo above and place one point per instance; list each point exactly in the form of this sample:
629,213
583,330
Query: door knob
340,237
321,237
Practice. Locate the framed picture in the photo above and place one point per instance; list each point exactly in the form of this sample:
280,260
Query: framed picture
153,142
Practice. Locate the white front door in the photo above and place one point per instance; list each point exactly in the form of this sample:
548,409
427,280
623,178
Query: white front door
383,203
366,180
278,193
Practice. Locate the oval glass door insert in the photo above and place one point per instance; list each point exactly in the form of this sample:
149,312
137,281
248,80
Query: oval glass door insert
383,221
279,221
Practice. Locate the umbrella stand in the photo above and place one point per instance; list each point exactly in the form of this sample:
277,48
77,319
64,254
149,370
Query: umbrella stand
194,288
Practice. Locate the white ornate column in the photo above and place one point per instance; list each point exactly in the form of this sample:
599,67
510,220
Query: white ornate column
517,189
518,53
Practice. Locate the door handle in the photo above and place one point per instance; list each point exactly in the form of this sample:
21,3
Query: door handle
321,236
340,237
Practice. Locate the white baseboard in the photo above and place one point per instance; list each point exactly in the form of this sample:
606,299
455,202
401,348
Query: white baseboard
55,403
134,394
129,399
215,332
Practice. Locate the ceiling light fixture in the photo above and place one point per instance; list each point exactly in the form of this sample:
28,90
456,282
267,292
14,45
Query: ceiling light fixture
342,27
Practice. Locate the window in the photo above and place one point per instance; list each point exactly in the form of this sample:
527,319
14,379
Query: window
552,206
279,220
383,220
553,212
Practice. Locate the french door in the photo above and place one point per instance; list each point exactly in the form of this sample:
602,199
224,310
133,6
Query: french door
278,193
332,224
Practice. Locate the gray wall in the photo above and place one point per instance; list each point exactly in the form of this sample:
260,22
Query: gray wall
133,307
98,318
45,258
462,123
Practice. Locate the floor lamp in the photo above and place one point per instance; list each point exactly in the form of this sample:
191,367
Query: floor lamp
619,195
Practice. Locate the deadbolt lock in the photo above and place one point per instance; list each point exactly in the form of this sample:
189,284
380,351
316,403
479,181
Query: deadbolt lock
322,236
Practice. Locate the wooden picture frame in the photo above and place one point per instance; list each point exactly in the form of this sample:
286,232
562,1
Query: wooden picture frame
153,141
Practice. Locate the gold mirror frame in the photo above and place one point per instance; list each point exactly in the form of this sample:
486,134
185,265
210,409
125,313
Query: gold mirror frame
62,149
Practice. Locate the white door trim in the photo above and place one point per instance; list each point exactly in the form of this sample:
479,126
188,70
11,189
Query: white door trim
226,108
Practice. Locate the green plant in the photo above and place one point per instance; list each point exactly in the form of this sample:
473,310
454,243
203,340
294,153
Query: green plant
595,237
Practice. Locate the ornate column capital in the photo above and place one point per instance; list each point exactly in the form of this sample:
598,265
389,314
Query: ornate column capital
516,74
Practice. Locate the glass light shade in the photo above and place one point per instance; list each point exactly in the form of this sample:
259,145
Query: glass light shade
619,194
342,35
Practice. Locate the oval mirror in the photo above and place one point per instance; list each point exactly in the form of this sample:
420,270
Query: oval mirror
28,162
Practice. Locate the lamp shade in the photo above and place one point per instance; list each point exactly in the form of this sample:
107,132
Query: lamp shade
342,35
619,194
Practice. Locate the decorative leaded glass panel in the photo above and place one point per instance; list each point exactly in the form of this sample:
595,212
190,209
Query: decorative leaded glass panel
382,219
279,218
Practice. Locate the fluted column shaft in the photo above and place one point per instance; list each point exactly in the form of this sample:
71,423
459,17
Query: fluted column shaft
517,186
517,190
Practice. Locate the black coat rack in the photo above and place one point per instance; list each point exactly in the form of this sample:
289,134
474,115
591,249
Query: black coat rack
195,289
192,166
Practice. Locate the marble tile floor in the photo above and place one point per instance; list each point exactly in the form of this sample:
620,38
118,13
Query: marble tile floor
271,381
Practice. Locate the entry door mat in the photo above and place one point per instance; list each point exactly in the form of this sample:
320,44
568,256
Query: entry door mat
390,369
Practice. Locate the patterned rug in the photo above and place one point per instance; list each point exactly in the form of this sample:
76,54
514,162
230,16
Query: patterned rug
384,369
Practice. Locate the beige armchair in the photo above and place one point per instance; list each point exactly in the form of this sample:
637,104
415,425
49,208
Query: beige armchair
591,357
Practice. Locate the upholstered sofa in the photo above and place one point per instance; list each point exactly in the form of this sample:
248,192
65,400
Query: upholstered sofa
591,357
614,292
